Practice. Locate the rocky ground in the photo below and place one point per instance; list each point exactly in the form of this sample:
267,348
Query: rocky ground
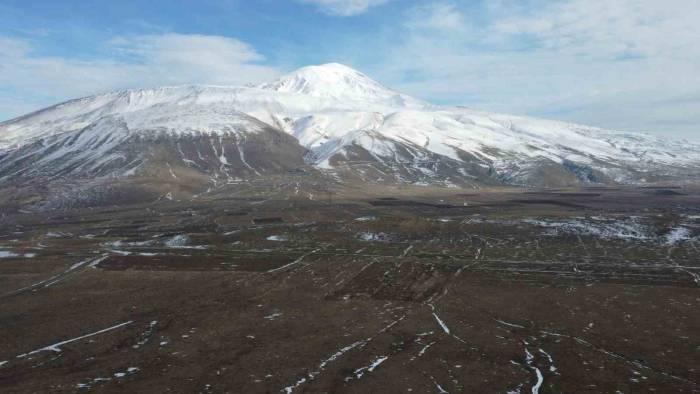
381,290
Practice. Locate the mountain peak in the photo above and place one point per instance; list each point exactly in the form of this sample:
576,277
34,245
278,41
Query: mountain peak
336,81
333,66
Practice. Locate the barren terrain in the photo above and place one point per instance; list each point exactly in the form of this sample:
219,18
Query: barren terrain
387,290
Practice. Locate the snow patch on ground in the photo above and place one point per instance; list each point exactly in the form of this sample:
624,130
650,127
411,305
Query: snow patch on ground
56,347
365,219
177,241
374,237
677,235
7,254
626,229
117,375
370,368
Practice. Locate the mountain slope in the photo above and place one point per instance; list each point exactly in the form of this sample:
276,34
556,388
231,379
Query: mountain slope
331,117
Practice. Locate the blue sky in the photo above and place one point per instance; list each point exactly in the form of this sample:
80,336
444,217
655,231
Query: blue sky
628,64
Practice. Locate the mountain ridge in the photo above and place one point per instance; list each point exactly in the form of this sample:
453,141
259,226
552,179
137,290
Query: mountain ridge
345,123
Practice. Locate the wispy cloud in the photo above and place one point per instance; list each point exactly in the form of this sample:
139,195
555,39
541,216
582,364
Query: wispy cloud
617,64
182,58
28,80
444,17
612,28
344,7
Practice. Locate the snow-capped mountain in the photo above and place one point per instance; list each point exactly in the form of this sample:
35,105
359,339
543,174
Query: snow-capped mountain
331,117
339,83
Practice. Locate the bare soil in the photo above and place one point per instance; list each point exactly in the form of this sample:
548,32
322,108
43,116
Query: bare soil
381,291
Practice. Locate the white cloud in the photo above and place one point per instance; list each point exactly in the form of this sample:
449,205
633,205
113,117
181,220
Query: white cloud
440,16
180,58
28,80
620,64
640,27
345,7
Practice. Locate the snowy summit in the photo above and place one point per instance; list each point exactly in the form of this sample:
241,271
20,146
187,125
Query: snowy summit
341,116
